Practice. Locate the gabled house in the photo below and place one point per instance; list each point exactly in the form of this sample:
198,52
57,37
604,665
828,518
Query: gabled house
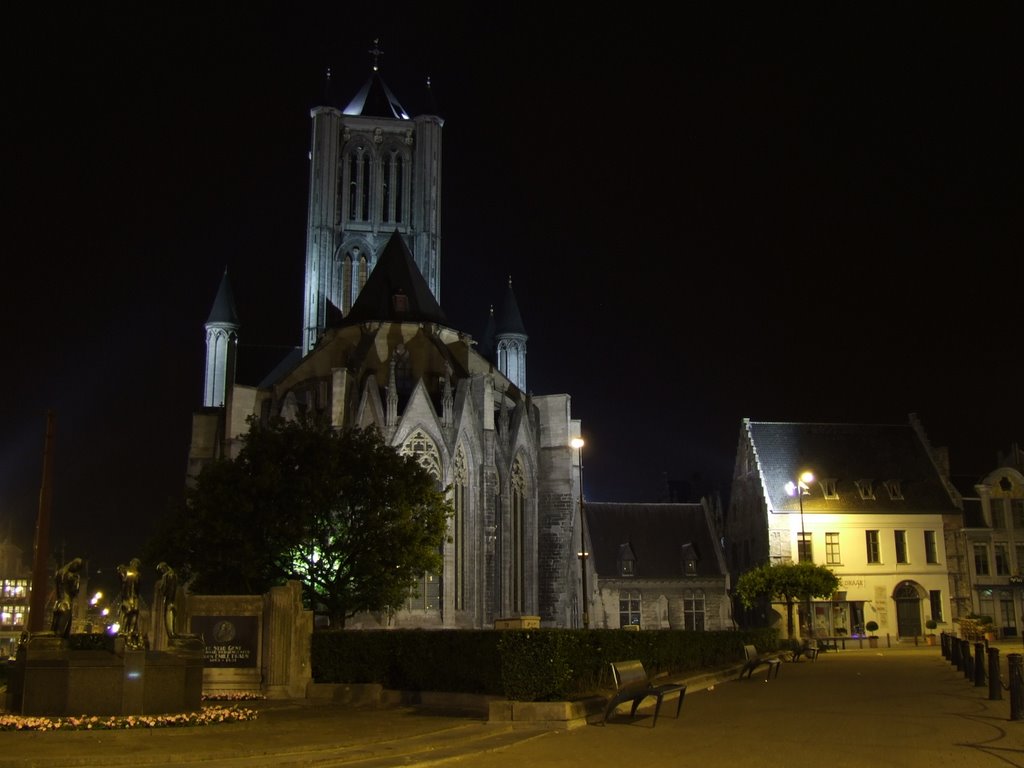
656,566
878,511
993,541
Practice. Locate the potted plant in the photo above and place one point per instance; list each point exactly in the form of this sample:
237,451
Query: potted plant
872,627
931,624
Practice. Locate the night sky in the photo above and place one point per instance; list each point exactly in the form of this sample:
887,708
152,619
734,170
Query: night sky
718,216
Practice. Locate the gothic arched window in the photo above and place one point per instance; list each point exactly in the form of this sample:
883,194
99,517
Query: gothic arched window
426,595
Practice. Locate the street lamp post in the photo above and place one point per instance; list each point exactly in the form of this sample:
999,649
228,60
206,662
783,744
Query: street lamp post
799,488
577,443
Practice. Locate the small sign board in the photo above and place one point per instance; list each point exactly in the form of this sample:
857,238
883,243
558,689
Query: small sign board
231,641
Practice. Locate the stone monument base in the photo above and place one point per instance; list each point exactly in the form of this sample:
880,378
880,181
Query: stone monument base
49,678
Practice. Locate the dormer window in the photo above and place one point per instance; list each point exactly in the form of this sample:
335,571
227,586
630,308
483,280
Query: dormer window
894,490
627,561
829,488
865,488
689,559
400,303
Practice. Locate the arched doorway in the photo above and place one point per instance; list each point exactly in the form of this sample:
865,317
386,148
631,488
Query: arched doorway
908,595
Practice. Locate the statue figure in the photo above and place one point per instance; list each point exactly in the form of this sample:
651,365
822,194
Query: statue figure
168,587
67,582
129,611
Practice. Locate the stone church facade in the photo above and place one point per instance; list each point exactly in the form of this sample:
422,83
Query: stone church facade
376,351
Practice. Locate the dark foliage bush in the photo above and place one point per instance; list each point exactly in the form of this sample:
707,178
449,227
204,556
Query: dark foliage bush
523,665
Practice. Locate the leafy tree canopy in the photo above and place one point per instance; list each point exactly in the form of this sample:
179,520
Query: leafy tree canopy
341,511
788,581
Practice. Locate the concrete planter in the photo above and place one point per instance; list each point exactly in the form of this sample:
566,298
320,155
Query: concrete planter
550,714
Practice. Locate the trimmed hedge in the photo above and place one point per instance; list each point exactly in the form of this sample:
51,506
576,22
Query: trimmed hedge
522,665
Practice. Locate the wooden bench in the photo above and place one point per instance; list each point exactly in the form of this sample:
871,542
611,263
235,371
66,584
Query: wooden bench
755,660
809,648
633,684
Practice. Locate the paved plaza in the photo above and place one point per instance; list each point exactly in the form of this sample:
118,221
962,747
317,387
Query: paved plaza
906,707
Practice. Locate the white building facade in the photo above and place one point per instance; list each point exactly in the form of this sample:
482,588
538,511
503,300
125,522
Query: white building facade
878,512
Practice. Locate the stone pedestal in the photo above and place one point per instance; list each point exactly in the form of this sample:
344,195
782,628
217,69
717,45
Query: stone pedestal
49,678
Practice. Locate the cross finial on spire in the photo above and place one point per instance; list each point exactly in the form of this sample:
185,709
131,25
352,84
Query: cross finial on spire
376,52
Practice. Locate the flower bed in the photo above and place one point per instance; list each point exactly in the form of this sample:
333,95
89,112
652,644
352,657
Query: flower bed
205,716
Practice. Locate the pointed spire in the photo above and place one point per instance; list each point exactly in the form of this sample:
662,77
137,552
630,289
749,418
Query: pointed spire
509,321
223,310
375,99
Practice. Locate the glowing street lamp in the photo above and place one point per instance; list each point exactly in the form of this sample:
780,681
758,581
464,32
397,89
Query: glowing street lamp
577,444
800,488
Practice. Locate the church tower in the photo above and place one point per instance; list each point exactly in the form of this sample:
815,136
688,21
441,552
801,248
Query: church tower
221,346
510,340
374,171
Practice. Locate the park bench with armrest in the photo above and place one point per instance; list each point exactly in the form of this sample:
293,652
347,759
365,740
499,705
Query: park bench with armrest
809,648
755,660
633,684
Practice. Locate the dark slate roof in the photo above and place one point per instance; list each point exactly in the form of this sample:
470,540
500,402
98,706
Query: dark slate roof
656,533
848,453
223,310
508,320
263,366
394,276
375,99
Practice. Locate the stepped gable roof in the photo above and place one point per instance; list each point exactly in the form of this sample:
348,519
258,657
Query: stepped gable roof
509,321
656,534
395,291
223,311
848,454
375,99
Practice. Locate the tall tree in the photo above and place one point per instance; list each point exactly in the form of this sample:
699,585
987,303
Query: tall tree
341,511
788,581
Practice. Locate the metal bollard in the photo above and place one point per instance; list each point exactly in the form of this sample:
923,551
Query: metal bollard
965,651
944,644
979,665
954,655
1016,665
995,685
